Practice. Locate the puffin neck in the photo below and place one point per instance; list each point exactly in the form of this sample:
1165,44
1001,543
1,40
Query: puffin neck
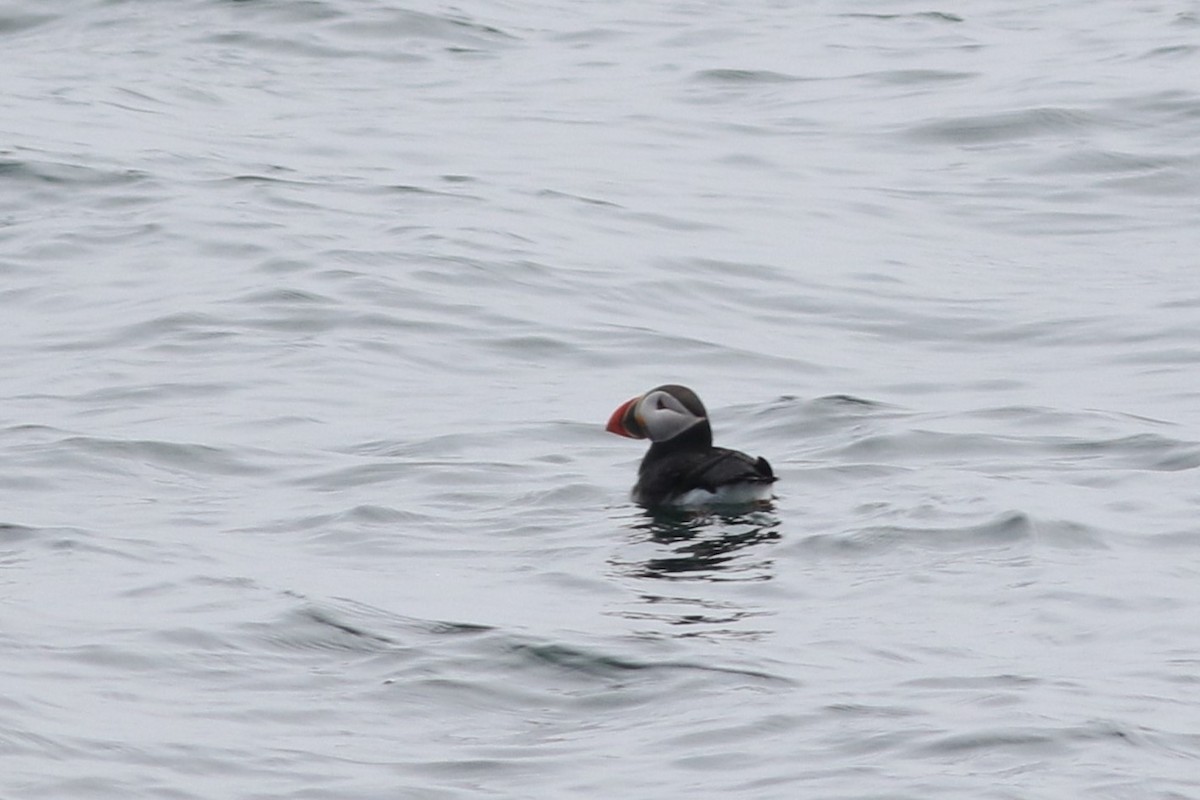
697,437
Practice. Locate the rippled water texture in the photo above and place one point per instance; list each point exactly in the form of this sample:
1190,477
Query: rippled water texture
313,312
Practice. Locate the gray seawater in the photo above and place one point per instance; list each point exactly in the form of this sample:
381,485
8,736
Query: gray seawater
313,312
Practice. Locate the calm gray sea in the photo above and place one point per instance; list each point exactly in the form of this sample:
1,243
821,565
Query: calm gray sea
312,313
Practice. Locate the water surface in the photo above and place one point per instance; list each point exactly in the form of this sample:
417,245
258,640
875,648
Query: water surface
313,314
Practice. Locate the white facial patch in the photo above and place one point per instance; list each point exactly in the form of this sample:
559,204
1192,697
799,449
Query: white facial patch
664,417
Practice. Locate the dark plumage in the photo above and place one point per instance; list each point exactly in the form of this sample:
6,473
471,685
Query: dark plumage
682,467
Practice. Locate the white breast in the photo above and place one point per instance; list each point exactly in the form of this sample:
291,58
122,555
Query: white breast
734,494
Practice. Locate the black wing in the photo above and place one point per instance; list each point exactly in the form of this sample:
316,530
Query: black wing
661,477
720,467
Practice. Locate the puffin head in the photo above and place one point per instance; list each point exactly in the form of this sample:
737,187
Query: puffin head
658,415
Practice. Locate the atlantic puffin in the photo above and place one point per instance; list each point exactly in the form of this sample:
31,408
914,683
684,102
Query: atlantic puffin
682,468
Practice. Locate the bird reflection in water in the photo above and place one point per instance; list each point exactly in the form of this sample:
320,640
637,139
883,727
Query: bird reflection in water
699,550
707,545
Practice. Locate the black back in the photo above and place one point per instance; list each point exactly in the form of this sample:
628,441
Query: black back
689,461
